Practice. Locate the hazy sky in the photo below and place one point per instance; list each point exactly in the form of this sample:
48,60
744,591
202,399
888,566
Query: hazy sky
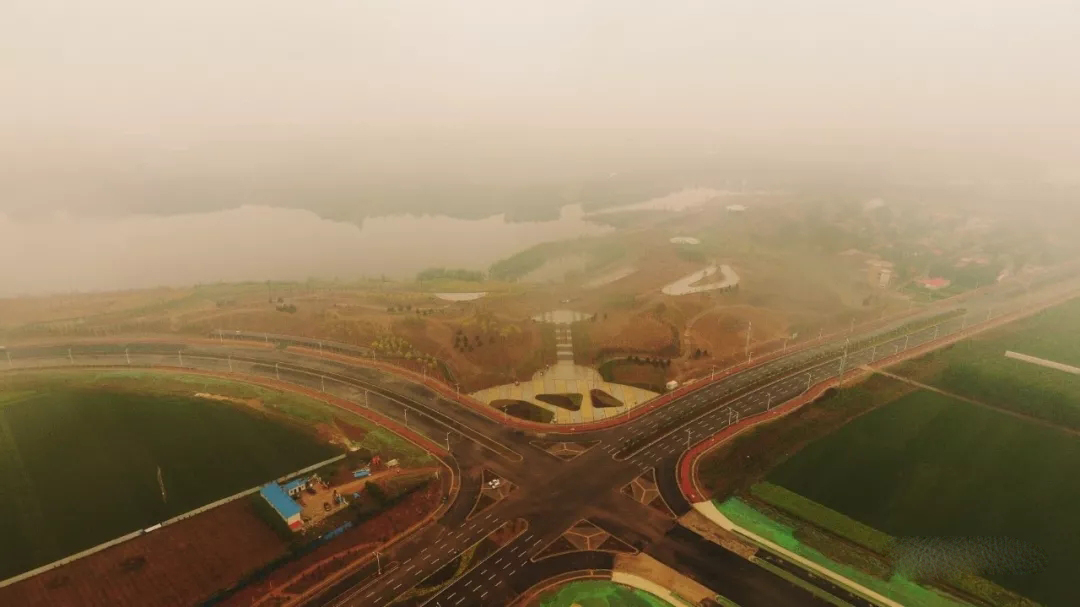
92,86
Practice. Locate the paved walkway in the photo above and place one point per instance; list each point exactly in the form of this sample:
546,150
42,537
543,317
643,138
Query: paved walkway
564,377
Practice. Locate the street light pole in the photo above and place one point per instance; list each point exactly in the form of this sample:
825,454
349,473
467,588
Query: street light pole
378,563
749,330
688,439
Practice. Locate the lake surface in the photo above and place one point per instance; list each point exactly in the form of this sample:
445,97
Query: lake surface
61,253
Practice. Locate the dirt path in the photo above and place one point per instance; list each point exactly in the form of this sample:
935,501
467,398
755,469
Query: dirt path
972,401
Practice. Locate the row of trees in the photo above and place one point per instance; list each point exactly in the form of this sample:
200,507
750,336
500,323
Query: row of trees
462,343
449,274
656,362
409,308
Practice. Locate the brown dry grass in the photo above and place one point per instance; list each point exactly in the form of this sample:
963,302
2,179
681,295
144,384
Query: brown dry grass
624,332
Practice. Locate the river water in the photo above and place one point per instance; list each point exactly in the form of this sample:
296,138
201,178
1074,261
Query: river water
61,253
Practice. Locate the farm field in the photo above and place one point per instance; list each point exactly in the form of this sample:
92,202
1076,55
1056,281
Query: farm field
180,564
80,454
977,368
598,593
933,466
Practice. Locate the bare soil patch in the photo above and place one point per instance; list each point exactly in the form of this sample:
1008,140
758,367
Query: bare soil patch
181,564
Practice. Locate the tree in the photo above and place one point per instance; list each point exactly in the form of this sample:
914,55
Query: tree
376,492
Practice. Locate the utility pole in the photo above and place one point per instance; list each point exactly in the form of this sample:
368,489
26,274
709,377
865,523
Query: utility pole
70,357
126,355
688,439
322,382
8,352
277,372
266,338
843,360
809,378
907,338
180,356
229,358
219,337
406,409
749,330
447,442
378,563
768,405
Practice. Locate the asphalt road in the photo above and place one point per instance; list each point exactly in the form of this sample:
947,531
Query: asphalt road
553,495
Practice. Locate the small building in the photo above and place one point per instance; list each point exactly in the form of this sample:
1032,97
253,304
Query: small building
671,385
934,284
884,277
736,208
296,486
286,508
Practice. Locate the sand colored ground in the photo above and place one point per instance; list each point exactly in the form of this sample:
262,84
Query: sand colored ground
646,573
569,378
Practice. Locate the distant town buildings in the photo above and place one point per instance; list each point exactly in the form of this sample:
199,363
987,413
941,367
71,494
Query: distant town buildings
736,208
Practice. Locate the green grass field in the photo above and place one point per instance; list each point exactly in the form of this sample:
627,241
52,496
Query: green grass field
977,367
79,455
927,465
600,593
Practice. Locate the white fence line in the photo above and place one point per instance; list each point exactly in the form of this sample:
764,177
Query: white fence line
175,519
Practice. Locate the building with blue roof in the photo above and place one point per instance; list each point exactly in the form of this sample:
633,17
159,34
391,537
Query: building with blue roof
296,485
285,506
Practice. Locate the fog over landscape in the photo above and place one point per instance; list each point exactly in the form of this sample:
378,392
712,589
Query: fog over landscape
118,110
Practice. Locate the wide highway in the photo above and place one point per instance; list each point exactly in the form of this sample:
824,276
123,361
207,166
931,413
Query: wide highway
553,495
